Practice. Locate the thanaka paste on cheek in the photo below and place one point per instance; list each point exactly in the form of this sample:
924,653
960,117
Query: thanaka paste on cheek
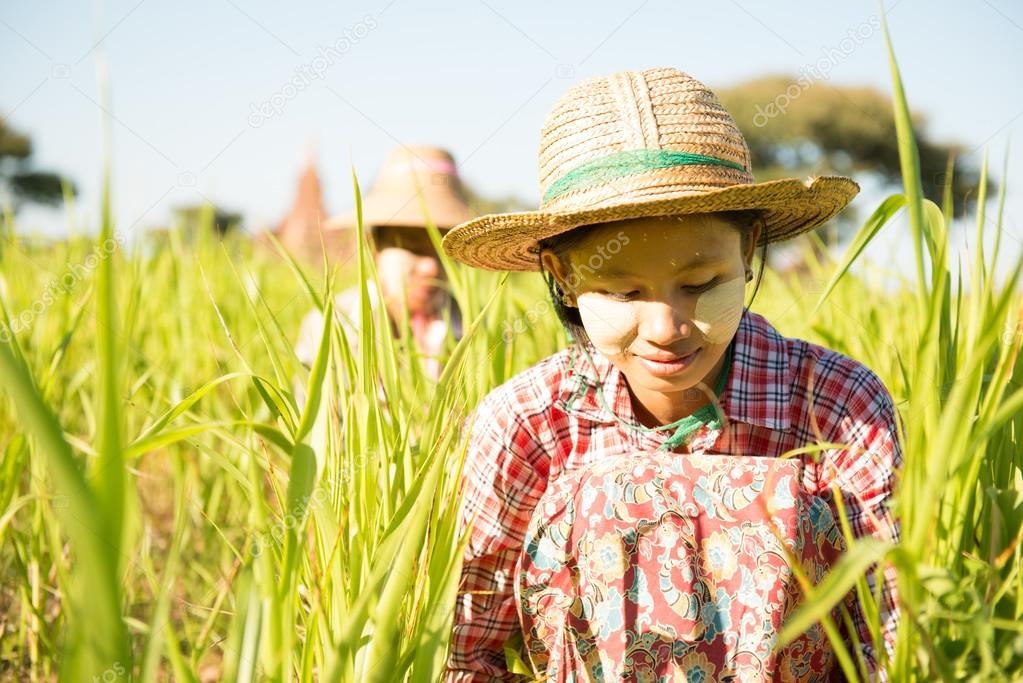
610,325
719,310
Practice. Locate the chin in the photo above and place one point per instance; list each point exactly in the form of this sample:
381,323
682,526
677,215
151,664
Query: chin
680,382
422,301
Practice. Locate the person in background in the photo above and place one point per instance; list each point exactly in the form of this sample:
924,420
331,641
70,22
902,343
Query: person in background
408,267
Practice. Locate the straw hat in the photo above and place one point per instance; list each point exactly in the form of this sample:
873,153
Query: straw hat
394,198
642,143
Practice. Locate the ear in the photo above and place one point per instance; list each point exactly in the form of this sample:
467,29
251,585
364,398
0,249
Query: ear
757,228
553,265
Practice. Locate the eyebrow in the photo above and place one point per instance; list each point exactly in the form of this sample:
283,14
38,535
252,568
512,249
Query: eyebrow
698,262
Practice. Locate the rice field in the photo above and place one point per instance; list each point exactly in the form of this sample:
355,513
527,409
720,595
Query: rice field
171,509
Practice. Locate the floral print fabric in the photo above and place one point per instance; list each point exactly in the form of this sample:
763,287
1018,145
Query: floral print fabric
668,567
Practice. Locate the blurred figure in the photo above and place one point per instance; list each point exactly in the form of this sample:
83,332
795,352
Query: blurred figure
409,270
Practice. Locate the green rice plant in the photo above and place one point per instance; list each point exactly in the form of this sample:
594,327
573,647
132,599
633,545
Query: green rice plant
952,358
181,499
89,503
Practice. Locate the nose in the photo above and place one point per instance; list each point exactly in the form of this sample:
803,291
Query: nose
427,267
663,324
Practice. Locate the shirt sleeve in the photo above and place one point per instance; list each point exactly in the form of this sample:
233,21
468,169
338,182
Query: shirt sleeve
311,328
504,477
866,473
309,333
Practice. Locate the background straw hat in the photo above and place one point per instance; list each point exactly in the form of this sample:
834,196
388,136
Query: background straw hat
642,143
394,197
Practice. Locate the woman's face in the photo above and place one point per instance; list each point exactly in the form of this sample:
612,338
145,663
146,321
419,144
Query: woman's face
408,265
661,297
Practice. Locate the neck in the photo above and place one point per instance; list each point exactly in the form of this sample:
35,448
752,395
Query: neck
655,409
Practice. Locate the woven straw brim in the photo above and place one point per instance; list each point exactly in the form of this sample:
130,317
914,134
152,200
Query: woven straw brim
445,210
509,241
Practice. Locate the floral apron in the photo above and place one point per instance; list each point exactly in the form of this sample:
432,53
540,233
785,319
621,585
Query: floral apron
670,567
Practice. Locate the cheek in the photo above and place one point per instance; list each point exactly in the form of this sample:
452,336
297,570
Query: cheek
427,267
394,265
719,310
610,325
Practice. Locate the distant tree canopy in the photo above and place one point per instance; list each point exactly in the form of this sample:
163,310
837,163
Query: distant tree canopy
483,204
205,218
19,180
799,128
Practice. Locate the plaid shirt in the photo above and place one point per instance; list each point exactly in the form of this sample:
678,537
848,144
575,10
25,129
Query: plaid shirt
547,420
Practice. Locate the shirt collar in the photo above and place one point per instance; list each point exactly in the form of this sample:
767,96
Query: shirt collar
757,391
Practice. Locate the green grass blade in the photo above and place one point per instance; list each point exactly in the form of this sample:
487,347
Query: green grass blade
98,635
884,213
834,587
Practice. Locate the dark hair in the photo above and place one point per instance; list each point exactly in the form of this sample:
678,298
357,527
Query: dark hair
742,220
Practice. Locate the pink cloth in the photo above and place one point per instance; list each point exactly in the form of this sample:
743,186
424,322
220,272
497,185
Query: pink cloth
668,567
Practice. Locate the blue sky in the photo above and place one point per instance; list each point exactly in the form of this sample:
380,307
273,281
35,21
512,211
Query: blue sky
473,76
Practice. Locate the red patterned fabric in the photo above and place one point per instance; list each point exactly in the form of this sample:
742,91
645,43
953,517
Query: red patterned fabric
524,437
654,567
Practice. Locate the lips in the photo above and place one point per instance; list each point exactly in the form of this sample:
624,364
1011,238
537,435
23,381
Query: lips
668,365
669,359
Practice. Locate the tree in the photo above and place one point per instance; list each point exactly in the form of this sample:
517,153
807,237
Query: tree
483,204
18,180
796,127
206,218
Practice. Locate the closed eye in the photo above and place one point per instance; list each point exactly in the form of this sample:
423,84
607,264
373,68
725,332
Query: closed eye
619,296
700,288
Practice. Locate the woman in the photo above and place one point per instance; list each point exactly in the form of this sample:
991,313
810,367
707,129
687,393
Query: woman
629,515
413,179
